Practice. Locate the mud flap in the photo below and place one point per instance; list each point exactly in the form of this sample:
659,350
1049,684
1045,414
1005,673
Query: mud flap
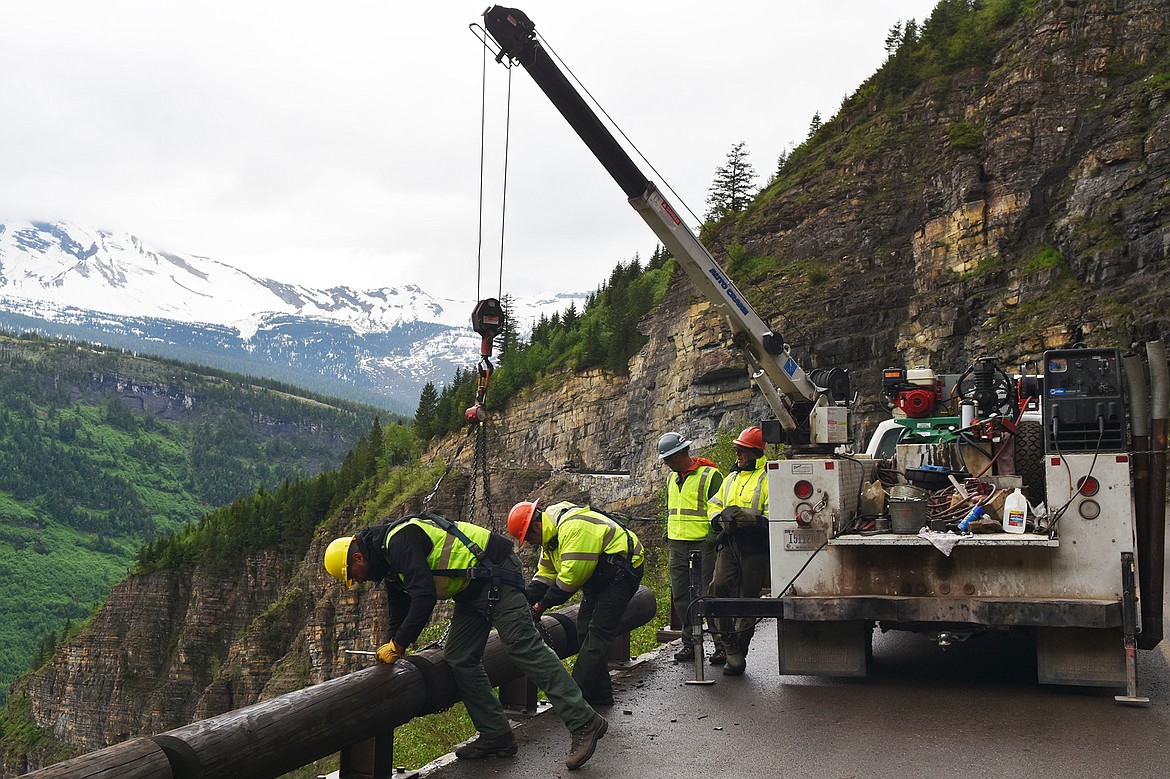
1080,656
824,648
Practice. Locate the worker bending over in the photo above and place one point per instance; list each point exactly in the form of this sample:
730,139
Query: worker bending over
423,558
582,549
741,561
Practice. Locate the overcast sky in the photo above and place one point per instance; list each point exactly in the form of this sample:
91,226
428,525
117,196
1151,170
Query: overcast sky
339,143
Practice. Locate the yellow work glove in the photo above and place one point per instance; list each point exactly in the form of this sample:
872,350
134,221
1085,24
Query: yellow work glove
388,653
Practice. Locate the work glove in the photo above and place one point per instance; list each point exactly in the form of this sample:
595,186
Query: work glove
724,521
535,591
537,610
744,518
389,652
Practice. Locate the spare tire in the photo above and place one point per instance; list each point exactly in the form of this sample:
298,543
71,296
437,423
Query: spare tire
1030,460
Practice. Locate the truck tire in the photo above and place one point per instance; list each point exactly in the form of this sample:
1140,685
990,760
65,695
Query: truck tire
1030,460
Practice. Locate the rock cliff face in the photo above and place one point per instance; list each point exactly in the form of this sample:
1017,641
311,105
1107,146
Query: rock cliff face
1000,210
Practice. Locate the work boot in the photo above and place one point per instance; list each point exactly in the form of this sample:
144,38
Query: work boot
481,746
736,664
718,657
686,654
585,742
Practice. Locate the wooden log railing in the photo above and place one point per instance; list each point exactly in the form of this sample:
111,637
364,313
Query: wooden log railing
354,715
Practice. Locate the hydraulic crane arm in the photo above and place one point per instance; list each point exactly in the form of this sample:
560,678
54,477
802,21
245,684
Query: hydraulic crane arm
783,382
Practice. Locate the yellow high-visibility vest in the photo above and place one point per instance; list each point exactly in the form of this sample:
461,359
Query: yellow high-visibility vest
688,516
447,552
582,537
747,489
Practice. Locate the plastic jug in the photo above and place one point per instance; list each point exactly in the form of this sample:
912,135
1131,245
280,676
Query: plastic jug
1015,512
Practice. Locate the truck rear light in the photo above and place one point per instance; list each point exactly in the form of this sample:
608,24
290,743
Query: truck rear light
1089,509
804,514
803,489
1088,486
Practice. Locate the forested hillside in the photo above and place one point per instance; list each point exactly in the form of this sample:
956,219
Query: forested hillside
101,450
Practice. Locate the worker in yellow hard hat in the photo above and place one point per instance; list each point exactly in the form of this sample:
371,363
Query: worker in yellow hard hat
741,562
585,549
422,558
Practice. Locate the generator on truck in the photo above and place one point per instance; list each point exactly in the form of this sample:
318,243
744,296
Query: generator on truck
886,538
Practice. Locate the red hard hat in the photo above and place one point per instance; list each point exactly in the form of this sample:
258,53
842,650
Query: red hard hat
751,437
520,517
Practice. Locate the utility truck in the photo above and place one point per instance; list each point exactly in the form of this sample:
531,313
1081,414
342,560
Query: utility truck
887,538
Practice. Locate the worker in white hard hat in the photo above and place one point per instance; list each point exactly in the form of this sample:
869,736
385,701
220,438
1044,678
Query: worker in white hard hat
692,499
422,558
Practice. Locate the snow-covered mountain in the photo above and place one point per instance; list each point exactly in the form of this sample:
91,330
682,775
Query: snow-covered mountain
380,345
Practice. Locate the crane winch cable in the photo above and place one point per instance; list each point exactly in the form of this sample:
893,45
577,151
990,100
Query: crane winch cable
617,128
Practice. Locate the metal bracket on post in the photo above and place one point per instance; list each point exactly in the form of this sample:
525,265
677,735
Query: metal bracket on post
1129,626
695,569
372,759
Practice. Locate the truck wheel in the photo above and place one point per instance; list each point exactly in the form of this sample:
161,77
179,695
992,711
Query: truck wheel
1030,460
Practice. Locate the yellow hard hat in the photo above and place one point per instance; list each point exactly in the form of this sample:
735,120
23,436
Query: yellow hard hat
337,560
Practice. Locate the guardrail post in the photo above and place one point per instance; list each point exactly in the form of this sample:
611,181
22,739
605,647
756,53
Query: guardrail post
369,759
519,697
619,652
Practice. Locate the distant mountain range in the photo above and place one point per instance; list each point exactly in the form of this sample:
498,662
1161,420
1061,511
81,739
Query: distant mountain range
377,346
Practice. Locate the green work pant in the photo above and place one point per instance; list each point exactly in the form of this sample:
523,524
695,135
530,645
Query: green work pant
741,571
512,619
680,579
598,620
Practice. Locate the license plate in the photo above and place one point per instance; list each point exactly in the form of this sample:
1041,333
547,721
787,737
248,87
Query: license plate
803,540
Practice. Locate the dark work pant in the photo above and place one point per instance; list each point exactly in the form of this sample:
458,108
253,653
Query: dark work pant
598,619
741,571
512,618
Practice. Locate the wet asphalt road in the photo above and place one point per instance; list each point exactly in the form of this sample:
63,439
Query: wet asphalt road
974,710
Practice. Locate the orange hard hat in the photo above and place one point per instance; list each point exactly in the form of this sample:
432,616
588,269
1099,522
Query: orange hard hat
751,437
520,517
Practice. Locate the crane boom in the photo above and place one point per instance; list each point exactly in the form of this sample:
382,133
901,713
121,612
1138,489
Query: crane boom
790,392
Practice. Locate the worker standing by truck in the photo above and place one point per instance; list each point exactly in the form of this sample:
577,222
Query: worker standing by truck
582,549
425,557
741,561
692,499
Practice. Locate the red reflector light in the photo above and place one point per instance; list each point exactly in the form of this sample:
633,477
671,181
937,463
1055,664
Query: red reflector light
1055,461
1087,485
830,465
803,489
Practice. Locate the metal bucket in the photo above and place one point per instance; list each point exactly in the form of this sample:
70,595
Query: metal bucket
907,515
907,492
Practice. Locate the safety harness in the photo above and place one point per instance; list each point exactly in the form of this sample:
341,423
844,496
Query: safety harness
484,569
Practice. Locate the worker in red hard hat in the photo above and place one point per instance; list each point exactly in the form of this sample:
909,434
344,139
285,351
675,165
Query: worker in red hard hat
741,562
582,548
424,557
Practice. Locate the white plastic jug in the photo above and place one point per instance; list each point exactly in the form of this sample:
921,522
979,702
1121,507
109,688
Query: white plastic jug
1015,512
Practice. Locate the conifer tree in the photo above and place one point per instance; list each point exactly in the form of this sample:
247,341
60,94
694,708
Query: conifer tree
733,184
424,416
